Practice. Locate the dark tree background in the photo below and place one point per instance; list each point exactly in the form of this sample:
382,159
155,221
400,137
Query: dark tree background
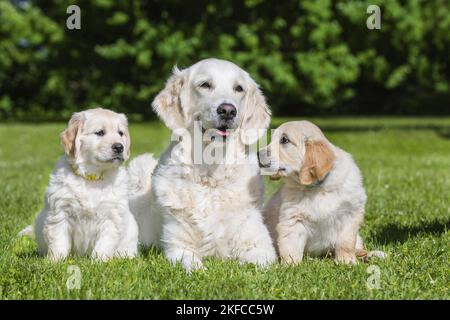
309,56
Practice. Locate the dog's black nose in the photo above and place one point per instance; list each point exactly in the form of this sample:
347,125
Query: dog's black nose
227,111
117,147
262,165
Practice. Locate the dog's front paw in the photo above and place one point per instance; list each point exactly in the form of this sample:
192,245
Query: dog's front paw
346,258
188,259
292,260
101,256
56,255
193,265
262,258
127,254
290,255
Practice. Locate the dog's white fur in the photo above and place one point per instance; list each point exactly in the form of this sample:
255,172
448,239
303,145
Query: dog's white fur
83,216
320,206
200,210
140,172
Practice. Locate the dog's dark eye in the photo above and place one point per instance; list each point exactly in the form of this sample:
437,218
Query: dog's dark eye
284,140
205,85
238,88
100,133
120,133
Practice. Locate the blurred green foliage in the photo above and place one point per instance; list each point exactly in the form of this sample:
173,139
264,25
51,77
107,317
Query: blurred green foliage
309,56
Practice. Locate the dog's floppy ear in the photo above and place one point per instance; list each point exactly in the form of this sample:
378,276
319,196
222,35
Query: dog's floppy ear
256,115
167,104
69,135
318,161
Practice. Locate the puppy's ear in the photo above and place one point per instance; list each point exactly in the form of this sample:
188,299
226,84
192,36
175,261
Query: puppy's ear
318,161
69,135
124,118
256,115
167,104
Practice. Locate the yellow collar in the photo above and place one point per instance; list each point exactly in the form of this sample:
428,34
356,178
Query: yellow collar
88,177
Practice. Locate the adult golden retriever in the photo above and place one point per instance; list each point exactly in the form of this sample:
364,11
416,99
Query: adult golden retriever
206,191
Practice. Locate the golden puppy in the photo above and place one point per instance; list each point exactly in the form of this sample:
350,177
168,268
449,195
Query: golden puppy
320,207
86,209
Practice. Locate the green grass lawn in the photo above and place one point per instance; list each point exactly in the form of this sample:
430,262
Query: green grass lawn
406,168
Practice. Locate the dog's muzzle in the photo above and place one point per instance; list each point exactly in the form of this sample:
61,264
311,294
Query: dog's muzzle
226,111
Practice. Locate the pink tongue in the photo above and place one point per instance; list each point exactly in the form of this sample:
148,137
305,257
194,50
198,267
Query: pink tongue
223,133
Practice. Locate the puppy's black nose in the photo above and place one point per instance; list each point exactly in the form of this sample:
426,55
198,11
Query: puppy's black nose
227,111
262,165
117,147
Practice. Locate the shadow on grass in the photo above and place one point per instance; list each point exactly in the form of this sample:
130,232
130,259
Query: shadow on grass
443,133
149,251
28,254
393,233
144,252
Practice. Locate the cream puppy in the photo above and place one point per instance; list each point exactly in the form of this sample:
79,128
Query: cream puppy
320,207
199,207
86,203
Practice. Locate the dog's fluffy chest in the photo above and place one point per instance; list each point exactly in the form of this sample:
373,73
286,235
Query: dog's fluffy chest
204,191
323,213
313,206
82,199
211,204
90,202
